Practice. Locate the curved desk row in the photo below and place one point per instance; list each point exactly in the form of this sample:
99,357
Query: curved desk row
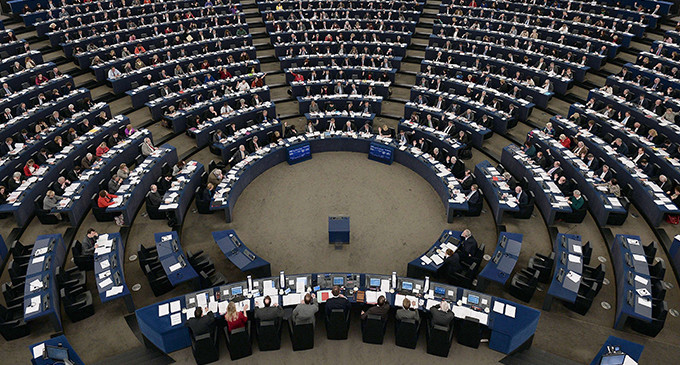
228,146
503,260
41,292
606,208
441,117
380,88
55,349
512,325
177,199
497,192
109,259
80,192
447,145
340,102
549,199
173,260
633,283
239,255
567,271
240,118
134,189
238,178
22,203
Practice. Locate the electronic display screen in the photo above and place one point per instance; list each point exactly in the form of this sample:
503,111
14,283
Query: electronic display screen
407,285
299,153
438,290
374,282
338,280
381,153
237,290
473,299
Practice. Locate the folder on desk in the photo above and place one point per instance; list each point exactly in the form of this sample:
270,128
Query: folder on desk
323,295
292,299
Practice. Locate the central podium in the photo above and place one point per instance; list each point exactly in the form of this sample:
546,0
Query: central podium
338,230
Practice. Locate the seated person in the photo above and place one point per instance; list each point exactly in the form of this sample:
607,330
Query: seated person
337,301
50,201
576,201
235,319
441,314
381,309
90,242
200,324
305,312
154,199
270,311
105,199
30,168
406,312
101,149
15,182
114,184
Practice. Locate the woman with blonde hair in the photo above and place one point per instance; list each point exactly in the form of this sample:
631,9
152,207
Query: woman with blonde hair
234,318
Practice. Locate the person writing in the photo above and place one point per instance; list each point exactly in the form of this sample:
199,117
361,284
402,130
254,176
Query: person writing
305,312
406,313
441,314
381,309
235,319
90,242
269,312
201,324
105,199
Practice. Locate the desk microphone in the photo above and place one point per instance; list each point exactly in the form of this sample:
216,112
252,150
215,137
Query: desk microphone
250,283
180,259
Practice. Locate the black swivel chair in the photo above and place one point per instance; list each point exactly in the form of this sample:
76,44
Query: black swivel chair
77,306
587,251
658,270
71,278
406,333
301,335
337,324
100,214
238,343
13,294
268,334
202,205
543,264
83,262
205,347
584,299
12,325
18,249
158,280
659,312
523,285
439,339
43,215
469,332
373,329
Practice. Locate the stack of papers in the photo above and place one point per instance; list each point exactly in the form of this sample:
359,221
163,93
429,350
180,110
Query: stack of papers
34,306
114,291
372,297
292,299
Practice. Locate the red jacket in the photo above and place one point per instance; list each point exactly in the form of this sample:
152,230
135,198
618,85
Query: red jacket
240,321
105,201
27,170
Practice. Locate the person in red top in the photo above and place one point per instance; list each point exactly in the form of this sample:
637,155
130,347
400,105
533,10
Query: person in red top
105,199
297,77
564,141
102,149
235,319
40,79
30,168
224,74
139,49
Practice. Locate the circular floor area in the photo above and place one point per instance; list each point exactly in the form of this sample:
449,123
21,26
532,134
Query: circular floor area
283,215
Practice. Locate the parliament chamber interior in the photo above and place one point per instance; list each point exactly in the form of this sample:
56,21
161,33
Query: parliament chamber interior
201,181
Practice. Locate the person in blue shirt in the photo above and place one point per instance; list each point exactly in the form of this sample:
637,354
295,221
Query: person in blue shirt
208,78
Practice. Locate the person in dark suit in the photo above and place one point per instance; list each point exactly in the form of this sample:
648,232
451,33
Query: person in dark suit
603,173
239,155
646,167
620,147
337,301
592,162
90,242
456,166
468,245
382,309
269,312
154,199
664,184
467,180
523,200
451,265
200,324
7,146
441,314
540,159
475,201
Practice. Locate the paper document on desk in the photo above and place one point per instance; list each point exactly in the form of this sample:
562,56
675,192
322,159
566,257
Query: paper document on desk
431,303
104,283
323,295
40,251
426,259
437,259
167,237
638,257
222,307
104,274
163,309
641,280
114,291
399,300
175,319
259,302
38,259
176,306
643,301
39,350
498,307
643,292
104,264
300,284
292,299
175,267
384,285
576,278
35,285
242,305
268,288
212,306
577,249
574,259
34,306
201,300
510,310
372,296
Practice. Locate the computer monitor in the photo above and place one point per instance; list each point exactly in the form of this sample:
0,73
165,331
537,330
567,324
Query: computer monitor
237,290
374,282
407,285
473,299
338,280
56,353
438,290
